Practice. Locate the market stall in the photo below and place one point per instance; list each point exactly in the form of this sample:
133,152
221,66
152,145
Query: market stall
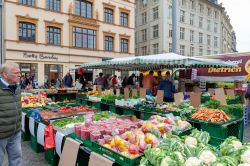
135,129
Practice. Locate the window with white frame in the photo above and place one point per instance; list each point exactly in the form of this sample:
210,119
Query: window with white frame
155,48
170,47
215,27
208,11
170,11
200,22
200,51
208,25
201,8
192,4
155,13
144,50
215,14
215,41
170,32
208,40
208,52
144,34
155,31
191,19
182,16
144,18
182,33
182,49
200,37
191,36
192,51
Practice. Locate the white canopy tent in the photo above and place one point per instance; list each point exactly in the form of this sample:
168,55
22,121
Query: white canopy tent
154,62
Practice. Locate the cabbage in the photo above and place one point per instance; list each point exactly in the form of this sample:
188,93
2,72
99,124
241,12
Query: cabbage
245,156
167,161
191,141
230,146
178,157
207,156
193,161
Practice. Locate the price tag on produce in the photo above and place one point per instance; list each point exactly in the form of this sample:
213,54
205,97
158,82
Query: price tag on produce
126,93
220,96
230,92
69,153
142,93
160,95
178,98
197,89
40,133
99,89
134,92
211,91
94,88
111,91
118,92
32,126
195,99
59,139
23,121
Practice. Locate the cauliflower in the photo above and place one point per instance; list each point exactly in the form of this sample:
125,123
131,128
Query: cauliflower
167,161
245,156
207,157
191,141
236,144
193,161
219,164
244,164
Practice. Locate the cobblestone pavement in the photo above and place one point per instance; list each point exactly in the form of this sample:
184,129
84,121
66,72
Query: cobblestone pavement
30,158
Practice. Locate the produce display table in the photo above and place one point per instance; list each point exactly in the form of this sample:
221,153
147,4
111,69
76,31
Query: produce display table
61,96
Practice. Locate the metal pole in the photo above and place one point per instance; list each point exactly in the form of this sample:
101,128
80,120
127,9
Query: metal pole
174,26
1,32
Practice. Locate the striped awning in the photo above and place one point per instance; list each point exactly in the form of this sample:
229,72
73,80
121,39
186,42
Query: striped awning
154,62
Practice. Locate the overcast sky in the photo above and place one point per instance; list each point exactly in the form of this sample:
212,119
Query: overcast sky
239,12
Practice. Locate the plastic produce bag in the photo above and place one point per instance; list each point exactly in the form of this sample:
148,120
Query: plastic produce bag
49,137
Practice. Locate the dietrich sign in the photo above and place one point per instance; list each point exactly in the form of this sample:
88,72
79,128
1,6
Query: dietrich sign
227,73
40,56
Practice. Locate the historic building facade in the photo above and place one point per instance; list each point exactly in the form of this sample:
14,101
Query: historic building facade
203,27
48,37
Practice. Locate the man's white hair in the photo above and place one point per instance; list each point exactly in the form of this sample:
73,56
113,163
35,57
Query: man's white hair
7,66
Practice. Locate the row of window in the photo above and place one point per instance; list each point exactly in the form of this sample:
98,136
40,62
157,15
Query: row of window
82,8
155,30
109,17
192,37
155,14
144,50
82,38
201,8
201,20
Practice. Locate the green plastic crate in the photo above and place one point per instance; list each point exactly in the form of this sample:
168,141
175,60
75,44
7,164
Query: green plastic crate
82,158
147,115
112,108
78,101
51,157
128,112
234,128
34,145
96,105
116,157
215,141
25,136
204,99
84,102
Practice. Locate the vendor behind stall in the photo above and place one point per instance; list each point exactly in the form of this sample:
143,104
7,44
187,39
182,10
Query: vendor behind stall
168,88
149,82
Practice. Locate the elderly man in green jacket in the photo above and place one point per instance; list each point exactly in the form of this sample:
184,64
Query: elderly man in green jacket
10,114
